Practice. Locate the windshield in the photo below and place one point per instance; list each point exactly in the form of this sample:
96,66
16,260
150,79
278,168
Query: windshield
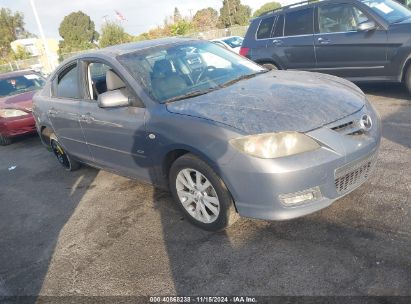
389,10
187,69
20,84
234,41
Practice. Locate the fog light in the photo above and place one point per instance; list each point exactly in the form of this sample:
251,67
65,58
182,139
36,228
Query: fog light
301,197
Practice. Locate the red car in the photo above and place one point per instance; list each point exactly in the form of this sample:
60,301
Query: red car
16,93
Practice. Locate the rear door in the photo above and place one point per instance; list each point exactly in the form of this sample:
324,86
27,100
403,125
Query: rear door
342,49
115,136
65,110
292,41
258,38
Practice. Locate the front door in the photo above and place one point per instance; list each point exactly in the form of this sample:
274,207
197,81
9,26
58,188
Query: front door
342,49
116,136
65,110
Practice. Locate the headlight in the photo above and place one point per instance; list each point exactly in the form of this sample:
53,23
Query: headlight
7,113
272,145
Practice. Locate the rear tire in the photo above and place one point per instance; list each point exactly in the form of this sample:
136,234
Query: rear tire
270,66
4,140
407,79
211,208
65,160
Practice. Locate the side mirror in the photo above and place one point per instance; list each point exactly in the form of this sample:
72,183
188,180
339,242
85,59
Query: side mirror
367,26
112,99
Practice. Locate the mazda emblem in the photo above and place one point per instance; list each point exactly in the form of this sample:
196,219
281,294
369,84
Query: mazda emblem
366,122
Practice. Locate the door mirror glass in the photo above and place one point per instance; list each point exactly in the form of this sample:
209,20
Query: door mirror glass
367,26
112,99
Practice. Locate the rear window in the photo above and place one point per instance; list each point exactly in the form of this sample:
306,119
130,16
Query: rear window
19,84
265,28
299,22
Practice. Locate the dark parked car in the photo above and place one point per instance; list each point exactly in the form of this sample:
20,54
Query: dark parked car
361,40
16,92
223,134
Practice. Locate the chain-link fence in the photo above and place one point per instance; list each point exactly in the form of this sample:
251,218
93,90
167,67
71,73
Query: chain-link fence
31,63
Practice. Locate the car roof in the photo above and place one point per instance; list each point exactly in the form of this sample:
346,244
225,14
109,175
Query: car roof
120,49
16,73
299,5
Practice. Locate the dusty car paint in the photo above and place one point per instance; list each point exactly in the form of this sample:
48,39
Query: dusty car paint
263,104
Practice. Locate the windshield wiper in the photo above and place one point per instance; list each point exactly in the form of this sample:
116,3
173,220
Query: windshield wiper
191,94
247,76
203,92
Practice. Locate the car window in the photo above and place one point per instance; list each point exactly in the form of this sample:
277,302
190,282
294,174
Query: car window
340,18
19,84
234,42
299,22
174,71
97,79
279,27
264,30
390,10
68,84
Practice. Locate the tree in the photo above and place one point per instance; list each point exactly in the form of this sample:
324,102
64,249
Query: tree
78,33
10,24
234,13
177,15
113,33
21,53
180,28
205,19
266,8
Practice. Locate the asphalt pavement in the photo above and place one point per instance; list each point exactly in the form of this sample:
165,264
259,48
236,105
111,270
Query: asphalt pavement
91,232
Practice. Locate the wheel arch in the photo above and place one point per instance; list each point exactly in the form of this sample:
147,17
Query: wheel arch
405,67
270,61
175,152
45,133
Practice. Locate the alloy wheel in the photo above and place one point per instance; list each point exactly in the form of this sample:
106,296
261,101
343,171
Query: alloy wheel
197,195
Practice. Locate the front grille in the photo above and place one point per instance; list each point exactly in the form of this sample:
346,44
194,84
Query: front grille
349,125
343,126
350,176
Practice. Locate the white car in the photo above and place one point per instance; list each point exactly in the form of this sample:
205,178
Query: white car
232,43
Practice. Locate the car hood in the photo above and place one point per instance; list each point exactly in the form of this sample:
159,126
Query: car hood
21,101
276,101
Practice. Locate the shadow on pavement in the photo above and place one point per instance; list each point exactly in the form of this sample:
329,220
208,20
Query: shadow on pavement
388,90
309,256
35,205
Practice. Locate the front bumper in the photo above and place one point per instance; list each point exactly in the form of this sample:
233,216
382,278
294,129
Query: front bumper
344,162
15,126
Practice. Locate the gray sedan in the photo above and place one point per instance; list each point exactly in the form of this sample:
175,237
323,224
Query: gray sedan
226,136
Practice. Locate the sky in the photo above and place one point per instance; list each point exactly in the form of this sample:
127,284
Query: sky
141,15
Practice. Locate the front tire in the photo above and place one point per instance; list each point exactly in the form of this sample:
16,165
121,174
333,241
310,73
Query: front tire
201,194
4,140
65,160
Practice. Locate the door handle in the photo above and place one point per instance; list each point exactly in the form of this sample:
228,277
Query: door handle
277,42
52,112
323,40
